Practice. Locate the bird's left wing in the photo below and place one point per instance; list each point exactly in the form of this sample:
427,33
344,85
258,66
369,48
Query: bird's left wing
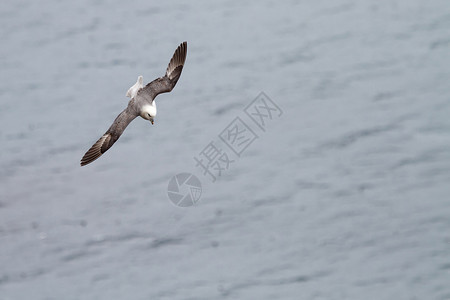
110,136
169,80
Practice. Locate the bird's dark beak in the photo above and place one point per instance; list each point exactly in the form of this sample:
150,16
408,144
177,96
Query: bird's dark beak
152,121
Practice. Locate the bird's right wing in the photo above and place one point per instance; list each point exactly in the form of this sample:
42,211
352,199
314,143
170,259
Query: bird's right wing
110,136
169,80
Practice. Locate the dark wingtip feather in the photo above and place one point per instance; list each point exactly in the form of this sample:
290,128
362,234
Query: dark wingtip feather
94,152
178,59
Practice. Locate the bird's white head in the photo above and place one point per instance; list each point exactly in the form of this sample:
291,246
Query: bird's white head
148,112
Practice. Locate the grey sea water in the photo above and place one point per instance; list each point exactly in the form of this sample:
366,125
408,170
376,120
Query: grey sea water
345,196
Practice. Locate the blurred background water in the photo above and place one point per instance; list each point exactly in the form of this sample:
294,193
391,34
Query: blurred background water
345,196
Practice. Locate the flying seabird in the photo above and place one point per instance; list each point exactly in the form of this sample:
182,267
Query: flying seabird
142,104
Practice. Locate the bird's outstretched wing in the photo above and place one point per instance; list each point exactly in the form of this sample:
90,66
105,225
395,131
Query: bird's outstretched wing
110,136
167,82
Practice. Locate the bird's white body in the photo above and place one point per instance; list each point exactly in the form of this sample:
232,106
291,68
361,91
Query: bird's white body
132,91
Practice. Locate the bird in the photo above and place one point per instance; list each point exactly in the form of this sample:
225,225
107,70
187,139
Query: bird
142,104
